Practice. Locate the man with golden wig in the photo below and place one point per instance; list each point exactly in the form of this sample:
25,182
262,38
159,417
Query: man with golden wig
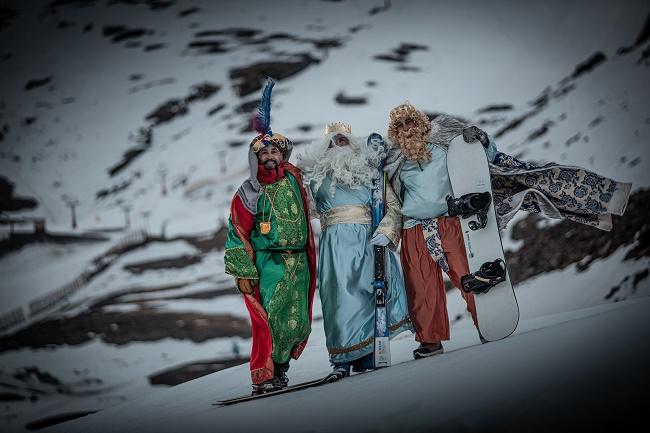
432,240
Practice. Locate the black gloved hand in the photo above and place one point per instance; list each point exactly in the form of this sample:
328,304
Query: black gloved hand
474,133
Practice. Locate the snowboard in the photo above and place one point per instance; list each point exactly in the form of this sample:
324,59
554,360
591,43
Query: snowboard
496,308
310,384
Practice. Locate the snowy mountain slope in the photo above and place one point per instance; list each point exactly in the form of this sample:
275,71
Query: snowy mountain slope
79,96
573,373
605,111
517,62
36,268
544,301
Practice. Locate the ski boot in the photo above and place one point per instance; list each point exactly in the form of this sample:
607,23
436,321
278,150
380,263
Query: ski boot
475,203
341,370
266,386
428,349
281,373
489,275
363,364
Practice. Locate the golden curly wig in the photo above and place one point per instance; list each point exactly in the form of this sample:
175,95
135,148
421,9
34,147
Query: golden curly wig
413,144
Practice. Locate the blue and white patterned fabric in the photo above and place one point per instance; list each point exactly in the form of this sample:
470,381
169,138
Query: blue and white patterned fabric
557,191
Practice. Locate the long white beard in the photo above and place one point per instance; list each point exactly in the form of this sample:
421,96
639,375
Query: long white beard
353,167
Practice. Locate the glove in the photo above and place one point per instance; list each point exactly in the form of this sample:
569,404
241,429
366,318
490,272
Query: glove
380,240
245,286
474,133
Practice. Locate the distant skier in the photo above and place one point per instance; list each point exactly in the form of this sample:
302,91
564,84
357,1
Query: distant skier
432,241
270,252
339,171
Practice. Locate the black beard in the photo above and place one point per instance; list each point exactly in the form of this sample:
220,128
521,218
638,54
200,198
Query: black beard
270,164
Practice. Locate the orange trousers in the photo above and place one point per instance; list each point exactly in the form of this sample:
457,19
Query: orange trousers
425,290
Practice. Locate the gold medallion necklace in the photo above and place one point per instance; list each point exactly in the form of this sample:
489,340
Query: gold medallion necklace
265,226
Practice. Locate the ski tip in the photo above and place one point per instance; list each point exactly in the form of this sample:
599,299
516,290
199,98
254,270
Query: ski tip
226,402
332,377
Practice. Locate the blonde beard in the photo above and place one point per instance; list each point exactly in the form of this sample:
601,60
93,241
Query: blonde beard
414,147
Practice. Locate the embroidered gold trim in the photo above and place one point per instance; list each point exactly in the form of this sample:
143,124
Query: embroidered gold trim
367,341
347,214
259,375
239,264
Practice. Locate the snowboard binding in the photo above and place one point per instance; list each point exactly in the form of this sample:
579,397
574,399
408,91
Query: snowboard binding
489,275
475,203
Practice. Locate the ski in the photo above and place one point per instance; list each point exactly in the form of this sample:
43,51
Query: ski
382,340
331,377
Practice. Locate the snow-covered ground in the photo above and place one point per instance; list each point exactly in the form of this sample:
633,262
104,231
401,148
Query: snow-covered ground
124,369
37,268
63,137
577,371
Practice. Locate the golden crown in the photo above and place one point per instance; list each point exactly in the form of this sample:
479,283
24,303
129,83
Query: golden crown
278,140
339,127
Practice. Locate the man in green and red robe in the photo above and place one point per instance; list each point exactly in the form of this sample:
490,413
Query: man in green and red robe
270,252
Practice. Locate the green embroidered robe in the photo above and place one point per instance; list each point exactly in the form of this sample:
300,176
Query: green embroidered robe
280,264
